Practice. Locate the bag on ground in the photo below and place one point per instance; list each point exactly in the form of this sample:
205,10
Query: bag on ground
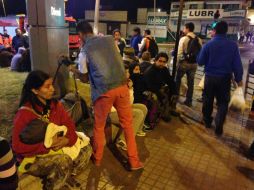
201,84
237,100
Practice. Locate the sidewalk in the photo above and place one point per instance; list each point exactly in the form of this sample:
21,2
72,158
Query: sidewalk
182,157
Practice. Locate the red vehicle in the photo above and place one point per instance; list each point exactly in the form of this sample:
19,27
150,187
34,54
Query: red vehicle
74,41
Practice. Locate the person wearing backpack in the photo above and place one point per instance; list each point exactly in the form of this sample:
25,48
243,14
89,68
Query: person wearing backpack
148,44
189,47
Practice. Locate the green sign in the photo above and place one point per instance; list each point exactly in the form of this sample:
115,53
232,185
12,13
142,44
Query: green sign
159,20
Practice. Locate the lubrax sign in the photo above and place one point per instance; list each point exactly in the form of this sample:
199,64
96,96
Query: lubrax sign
207,14
201,13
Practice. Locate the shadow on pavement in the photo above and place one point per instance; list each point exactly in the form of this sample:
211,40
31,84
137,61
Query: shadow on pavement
247,172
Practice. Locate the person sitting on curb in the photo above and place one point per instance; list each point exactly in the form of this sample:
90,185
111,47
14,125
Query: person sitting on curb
139,115
51,164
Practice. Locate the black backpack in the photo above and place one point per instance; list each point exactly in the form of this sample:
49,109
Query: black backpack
153,47
193,50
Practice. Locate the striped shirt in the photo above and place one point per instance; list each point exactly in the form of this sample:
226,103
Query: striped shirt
8,171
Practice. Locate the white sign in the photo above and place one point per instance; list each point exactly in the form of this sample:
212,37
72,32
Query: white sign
207,14
202,13
56,12
237,13
159,20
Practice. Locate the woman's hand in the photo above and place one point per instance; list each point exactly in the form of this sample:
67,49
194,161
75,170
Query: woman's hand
59,142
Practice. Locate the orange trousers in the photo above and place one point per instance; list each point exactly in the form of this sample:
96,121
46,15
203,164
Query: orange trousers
120,99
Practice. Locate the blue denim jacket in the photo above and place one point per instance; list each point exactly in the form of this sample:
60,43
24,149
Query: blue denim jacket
105,65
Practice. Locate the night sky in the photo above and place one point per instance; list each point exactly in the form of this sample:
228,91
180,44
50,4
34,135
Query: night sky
76,7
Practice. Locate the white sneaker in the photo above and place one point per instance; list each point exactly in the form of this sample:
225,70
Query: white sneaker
141,134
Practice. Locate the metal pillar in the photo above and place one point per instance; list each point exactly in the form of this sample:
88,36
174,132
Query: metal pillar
154,16
48,35
177,37
4,7
96,16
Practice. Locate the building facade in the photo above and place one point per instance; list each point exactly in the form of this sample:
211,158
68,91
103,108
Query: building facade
202,13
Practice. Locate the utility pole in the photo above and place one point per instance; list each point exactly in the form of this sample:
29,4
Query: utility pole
154,16
4,8
96,17
177,37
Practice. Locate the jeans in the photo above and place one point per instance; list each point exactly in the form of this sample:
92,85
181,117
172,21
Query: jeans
120,99
219,88
190,71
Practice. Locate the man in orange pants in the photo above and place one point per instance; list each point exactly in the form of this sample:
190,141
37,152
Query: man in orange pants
101,62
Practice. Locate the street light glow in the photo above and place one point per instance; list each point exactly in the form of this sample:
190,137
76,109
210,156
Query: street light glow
159,10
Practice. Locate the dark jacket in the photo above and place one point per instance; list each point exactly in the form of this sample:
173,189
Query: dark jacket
155,78
144,66
19,41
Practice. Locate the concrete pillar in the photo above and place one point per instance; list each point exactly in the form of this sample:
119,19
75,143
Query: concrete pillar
48,38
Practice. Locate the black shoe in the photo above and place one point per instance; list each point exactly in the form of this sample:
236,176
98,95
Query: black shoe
175,113
218,131
147,127
188,103
166,119
207,124
251,152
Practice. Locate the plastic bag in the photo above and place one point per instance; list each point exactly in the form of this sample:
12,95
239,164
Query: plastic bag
237,100
201,84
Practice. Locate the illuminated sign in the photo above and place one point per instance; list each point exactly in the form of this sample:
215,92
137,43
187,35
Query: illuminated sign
56,12
159,20
208,14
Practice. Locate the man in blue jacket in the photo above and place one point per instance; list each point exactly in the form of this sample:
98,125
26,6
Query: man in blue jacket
136,39
221,59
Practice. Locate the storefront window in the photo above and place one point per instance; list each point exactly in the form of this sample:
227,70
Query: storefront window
213,6
230,6
193,6
177,6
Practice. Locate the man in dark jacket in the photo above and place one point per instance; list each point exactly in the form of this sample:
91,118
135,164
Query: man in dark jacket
159,81
19,40
221,59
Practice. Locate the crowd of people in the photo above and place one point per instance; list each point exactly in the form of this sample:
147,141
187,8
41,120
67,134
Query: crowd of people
131,85
15,52
247,37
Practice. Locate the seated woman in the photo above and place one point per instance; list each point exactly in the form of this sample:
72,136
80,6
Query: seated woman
51,164
139,115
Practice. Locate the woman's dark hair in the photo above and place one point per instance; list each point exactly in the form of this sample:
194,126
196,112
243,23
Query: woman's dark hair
132,67
84,27
137,29
221,27
190,26
34,80
161,54
115,31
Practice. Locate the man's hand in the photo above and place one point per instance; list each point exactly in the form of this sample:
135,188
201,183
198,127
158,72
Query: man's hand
59,142
82,77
